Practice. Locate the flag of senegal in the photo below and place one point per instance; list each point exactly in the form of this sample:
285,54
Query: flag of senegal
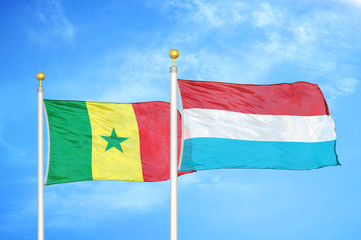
108,141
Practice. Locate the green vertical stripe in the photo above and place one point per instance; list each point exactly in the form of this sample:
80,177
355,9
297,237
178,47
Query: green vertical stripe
70,142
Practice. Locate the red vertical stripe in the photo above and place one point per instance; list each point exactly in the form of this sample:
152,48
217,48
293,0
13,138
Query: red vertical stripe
299,99
153,120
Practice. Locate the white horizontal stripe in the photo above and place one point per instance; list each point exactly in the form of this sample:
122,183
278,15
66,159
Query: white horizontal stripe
256,127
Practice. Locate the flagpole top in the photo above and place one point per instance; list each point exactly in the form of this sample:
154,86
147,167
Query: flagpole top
174,55
40,76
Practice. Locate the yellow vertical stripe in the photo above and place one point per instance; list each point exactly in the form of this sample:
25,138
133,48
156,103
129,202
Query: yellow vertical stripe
112,164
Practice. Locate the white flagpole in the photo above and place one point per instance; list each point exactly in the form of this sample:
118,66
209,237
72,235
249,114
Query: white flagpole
173,148
40,76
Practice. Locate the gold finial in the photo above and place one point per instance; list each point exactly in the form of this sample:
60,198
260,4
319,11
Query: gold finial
173,54
40,76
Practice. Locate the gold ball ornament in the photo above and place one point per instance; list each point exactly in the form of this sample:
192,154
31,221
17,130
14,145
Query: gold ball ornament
173,53
40,76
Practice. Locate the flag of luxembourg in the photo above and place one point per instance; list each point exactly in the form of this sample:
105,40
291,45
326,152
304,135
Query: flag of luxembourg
280,126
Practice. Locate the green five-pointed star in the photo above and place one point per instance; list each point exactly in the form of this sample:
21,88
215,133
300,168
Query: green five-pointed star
114,141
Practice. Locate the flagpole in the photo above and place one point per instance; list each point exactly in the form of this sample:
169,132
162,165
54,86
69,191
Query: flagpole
40,76
173,148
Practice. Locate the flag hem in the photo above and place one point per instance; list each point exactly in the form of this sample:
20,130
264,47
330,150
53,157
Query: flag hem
48,134
182,121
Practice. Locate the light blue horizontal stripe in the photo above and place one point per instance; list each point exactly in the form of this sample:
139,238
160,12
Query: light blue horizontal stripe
215,153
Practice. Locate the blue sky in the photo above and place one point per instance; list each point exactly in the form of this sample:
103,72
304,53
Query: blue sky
118,51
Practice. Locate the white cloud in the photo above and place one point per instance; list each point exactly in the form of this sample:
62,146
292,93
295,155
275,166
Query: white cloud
122,75
132,76
215,14
226,186
353,2
14,151
13,222
86,203
347,85
268,16
218,15
306,41
188,180
210,67
338,87
52,24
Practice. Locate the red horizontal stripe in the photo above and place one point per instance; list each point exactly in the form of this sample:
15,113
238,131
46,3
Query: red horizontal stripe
153,120
300,98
